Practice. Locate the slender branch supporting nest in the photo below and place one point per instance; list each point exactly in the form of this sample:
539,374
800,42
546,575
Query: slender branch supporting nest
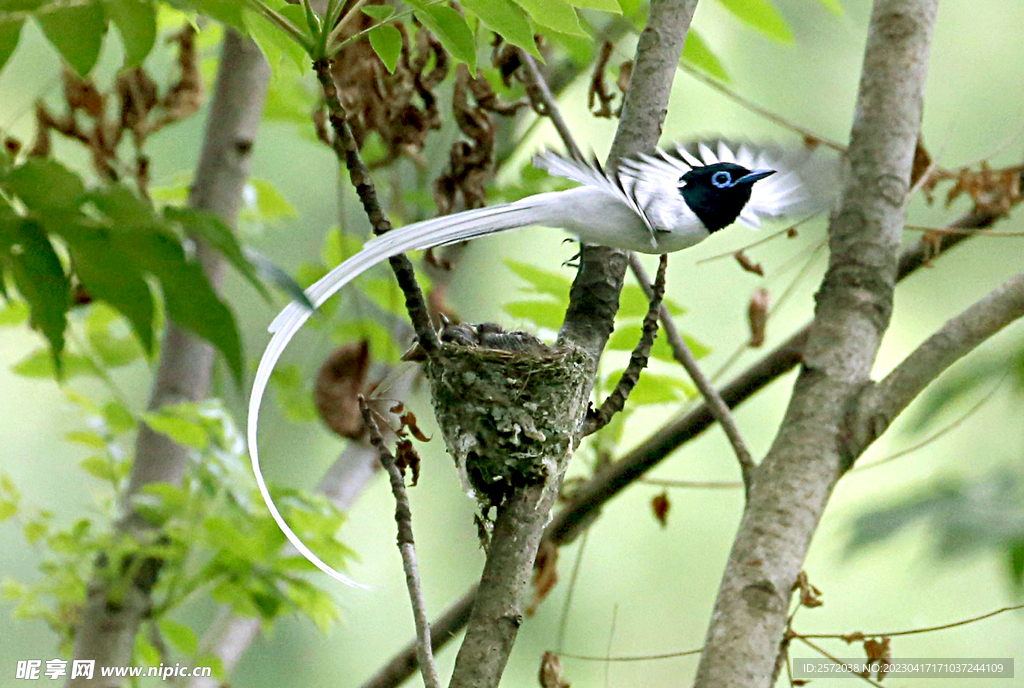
406,545
344,145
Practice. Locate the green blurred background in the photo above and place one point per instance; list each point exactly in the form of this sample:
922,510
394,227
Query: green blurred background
662,581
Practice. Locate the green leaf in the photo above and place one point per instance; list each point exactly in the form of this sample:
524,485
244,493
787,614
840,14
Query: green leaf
109,274
387,43
761,15
13,313
654,389
136,22
833,6
9,34
507,20
542,313
274,43
603,5
379,12
7,510
451,29
44,184
40,278
117,417
698,55
214,662
182,430
145,651
557,15
271,272
87,438
270,203
76,31
99,467
39,364
180,636
191,301
625,338
633,303
226,11
541,281
338,246
209,227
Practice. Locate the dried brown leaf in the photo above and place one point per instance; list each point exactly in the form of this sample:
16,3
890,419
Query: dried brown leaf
660,506
550,675
339,383
598,92
748,264
545,574
408,421
757,315
810,596
406,457
879,653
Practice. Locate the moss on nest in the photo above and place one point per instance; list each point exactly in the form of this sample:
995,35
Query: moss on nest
509,418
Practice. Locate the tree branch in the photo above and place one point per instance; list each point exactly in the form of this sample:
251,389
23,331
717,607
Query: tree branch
346,149
616,401
107,632
791,487
407,547
881,403
681,352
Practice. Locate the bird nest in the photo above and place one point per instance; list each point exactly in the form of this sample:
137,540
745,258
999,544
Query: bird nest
510,418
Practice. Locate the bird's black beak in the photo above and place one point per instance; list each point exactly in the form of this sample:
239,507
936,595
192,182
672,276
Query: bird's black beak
754,176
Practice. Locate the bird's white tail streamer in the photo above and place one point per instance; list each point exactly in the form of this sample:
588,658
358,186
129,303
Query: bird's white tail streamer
449,229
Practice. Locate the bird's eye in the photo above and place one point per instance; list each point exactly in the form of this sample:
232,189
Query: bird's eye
721,179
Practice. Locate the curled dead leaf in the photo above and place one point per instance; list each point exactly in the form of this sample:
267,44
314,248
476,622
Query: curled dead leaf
545,574
598,92
340,381
406,457
660,505
757,315
748,264
810,596
550,675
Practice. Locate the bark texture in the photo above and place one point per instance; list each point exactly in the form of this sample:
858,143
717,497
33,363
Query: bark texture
812,449
107,631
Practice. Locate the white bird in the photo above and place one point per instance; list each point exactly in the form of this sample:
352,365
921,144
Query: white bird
657,203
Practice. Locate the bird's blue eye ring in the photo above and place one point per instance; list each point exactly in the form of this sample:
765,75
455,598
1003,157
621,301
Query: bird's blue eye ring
721,179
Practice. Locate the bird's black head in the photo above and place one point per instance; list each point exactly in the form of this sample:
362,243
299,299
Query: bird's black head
717,193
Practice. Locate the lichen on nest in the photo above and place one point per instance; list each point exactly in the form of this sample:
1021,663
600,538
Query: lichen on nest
509,418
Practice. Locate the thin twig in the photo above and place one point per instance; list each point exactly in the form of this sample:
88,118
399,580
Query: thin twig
615,401
563,621
346,149
336,30
681,352
939,433
407,547
699,484
757,109
825,653
954,230
608,654
538,86
631,658
854,637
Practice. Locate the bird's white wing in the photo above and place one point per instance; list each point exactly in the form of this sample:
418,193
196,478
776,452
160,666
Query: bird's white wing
622,188
803,184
